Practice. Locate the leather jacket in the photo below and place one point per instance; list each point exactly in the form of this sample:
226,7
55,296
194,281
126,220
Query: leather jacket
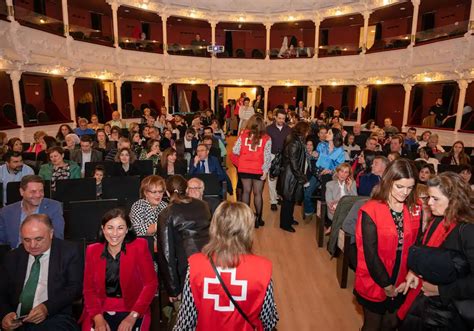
183,229
293,178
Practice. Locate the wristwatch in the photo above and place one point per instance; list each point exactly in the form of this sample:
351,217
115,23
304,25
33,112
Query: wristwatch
134,314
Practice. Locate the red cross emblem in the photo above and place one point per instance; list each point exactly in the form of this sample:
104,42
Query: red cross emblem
248,143
213,290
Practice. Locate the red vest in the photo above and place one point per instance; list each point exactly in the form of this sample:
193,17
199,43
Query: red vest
250,160
387,240
247,283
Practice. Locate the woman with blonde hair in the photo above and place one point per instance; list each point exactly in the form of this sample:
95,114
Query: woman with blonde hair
343,184
229,252
252,156
37,145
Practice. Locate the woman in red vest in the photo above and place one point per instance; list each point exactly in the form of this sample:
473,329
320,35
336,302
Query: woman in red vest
226,269
387,227
429,303
252,156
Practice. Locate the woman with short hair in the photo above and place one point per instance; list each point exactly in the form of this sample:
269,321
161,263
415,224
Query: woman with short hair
58,168
228,251
125,163
387,226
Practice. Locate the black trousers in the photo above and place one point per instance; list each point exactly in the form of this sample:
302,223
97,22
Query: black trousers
58,322
286,213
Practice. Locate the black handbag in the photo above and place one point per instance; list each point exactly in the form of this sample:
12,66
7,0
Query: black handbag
276,165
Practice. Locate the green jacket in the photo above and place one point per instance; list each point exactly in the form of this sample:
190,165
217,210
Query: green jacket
46,170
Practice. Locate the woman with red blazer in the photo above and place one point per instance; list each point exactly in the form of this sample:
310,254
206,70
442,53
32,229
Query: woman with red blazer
119,278
387,227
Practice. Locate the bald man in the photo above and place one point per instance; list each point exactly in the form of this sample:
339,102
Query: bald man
196,190
40,280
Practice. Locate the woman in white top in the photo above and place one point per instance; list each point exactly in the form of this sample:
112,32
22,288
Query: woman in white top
245,112
343,184
427,155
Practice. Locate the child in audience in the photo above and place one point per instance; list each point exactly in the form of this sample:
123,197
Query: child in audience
99,173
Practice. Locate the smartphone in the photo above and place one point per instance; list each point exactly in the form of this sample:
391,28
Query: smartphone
20,318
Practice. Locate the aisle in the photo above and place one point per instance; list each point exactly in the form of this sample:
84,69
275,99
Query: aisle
306,289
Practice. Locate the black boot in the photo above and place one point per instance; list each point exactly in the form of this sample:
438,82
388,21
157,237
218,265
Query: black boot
258,221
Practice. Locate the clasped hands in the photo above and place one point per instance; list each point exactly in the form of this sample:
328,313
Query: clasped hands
412,281
36,316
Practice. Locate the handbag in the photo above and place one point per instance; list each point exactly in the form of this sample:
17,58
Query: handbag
276,165
465,308
224,287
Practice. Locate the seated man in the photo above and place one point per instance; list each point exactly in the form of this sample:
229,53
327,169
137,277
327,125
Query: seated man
85,154
83,129
13,171
217,142
368,181
40,280
34,202
196,189
116,121
396,146
204,163
411,143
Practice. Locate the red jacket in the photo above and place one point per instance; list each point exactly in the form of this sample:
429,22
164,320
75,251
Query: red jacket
138,279
250,161
247,287
387,240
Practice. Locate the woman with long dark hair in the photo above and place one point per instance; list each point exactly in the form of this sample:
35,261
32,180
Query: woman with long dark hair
252,156
387,227
457,155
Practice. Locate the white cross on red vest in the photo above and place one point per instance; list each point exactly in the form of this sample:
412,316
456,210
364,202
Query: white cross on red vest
218,297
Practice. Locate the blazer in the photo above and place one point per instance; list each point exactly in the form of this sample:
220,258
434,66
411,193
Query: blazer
180,168
76,156
214,168
46,170
138,279
120,172
66,264
10,220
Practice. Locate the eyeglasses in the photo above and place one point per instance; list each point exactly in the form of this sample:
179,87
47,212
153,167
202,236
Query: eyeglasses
155,192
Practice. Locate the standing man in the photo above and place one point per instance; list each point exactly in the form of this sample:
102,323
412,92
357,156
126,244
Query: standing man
13,171
40,280
278,131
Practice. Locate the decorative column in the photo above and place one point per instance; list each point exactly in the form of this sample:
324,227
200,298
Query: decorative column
213,35
414,24
70,92
118,95
268,26
15,76
10,11
366,31
360,94
266,90
165,88
317,24
462,98
65,17
115,6
213,97
471,20
406,105
164,18
313,100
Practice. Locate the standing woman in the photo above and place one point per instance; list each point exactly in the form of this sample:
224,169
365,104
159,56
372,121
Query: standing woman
245,112
457,155
229,249
119,278
292,179
386,228
252,156
451,201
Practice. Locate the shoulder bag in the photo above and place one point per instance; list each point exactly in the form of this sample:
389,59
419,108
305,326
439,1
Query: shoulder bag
226,290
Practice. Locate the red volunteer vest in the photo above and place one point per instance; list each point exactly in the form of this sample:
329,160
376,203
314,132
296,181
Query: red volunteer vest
247,283
250,160
387,242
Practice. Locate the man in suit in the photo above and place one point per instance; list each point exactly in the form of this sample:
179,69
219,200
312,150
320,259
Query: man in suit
204,163
33,202
40,280
85,154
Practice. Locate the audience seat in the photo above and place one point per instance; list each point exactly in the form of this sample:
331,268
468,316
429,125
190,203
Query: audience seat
212,186
125,189
68,190
13,191
9,112
90,166
145,167
83,219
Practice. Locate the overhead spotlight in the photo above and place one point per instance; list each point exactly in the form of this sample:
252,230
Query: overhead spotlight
127,10
402,8
241,19
427,79
42,20
179,20
144,6
55,71
291,18
378,82
351,18
338,12
334,83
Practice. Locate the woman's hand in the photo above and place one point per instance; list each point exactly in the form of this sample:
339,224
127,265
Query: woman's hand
390,291
411,281
152,229
263,176
127,323
348,183
429,289
326,172
315,154
100,324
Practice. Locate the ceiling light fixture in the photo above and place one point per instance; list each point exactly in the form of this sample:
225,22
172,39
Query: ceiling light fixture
241,19
402,8
291,18
338,12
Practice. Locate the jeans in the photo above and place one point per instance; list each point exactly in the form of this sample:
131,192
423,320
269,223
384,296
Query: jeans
308,204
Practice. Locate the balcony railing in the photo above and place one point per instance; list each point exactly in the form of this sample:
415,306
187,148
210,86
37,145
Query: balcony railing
189,50
243,53
443,32
143,45
396,42
38,21
292,53
83,33
338,50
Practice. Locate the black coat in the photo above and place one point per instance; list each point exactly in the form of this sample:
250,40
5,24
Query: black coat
65,276
292,177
